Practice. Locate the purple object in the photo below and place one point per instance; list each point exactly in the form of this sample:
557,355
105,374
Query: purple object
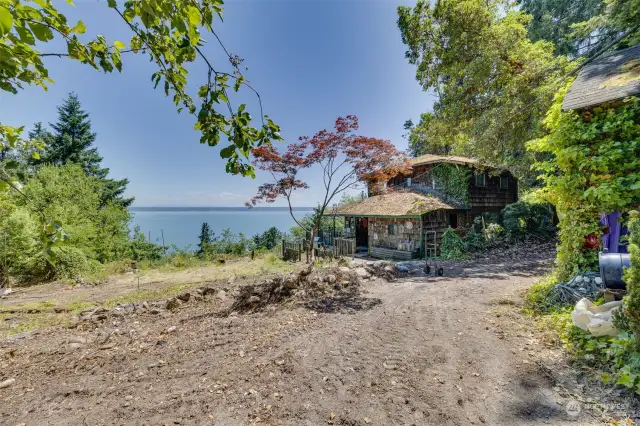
611,241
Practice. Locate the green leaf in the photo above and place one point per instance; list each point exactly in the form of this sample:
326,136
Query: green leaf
6,21
80,28
227,152
35,155
119,44
11,165
70,2
42,32
625,380
112,3
26,36
194,15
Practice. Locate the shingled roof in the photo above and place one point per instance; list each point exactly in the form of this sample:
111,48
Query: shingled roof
395,204
430,159
612,77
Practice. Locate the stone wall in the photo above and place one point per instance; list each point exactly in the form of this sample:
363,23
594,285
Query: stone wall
407,235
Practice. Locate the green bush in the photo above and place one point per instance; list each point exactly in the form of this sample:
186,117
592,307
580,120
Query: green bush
523,219
474,240
230,243
453,246
538,297
18,240
63,262
268,239
141,249
632,275
71,262
492,232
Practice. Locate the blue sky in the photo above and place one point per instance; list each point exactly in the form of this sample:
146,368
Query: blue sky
310,60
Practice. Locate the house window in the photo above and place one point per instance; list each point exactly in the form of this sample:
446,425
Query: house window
504,182
393,229
481,179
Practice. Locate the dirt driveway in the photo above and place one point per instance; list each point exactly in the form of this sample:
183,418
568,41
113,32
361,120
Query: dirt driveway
442,351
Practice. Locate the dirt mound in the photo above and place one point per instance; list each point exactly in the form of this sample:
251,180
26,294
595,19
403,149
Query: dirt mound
301,286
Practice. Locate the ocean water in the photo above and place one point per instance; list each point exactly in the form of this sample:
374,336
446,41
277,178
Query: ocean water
181,225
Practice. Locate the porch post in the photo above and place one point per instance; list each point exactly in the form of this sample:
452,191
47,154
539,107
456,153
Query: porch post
421,237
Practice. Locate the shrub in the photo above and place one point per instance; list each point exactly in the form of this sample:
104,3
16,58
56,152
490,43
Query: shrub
492,232
538,297
18,240
474,240
632,275
453,246
141,249
230,243
68,262
522,219
268,239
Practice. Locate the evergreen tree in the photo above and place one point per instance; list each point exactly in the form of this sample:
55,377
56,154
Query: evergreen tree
71,141
205,238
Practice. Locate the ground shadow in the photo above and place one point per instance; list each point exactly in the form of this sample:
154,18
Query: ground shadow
342,303
531,384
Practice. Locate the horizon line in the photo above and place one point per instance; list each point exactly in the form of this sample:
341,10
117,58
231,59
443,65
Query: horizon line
219,207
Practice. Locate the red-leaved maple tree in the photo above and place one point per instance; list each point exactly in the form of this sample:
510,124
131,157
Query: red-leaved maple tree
345,158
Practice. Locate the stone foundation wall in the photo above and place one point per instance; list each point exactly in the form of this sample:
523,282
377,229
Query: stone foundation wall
407,233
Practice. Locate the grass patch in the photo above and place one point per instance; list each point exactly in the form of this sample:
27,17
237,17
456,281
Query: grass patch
537,297
31,322
45,304
505,301
78,305
153,294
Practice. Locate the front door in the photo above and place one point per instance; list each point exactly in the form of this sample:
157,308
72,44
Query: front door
362,232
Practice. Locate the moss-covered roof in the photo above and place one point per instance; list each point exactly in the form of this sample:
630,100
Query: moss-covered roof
609,78
430,159
395,204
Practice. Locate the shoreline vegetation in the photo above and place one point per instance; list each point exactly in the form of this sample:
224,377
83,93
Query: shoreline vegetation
214,208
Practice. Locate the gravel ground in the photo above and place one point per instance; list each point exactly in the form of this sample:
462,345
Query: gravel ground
451,350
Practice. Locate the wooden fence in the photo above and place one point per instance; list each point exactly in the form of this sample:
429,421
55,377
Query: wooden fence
292,251
344,246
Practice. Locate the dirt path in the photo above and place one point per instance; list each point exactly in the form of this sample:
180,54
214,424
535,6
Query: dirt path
419,351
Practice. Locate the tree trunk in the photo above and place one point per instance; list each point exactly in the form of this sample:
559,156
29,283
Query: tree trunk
312,254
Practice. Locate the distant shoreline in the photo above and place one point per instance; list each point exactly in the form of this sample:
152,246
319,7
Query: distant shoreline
212,209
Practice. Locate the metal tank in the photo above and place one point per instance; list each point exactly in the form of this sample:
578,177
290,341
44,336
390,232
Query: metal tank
612,268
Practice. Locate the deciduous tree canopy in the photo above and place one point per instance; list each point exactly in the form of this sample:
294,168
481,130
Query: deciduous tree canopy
493,83
170,32
346,160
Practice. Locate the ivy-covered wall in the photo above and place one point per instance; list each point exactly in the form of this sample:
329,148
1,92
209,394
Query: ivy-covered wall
594,167
453,179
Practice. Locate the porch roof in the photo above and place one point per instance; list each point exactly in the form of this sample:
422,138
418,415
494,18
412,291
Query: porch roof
395,204
453,159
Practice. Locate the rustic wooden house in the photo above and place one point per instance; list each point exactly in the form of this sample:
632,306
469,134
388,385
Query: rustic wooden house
406,217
